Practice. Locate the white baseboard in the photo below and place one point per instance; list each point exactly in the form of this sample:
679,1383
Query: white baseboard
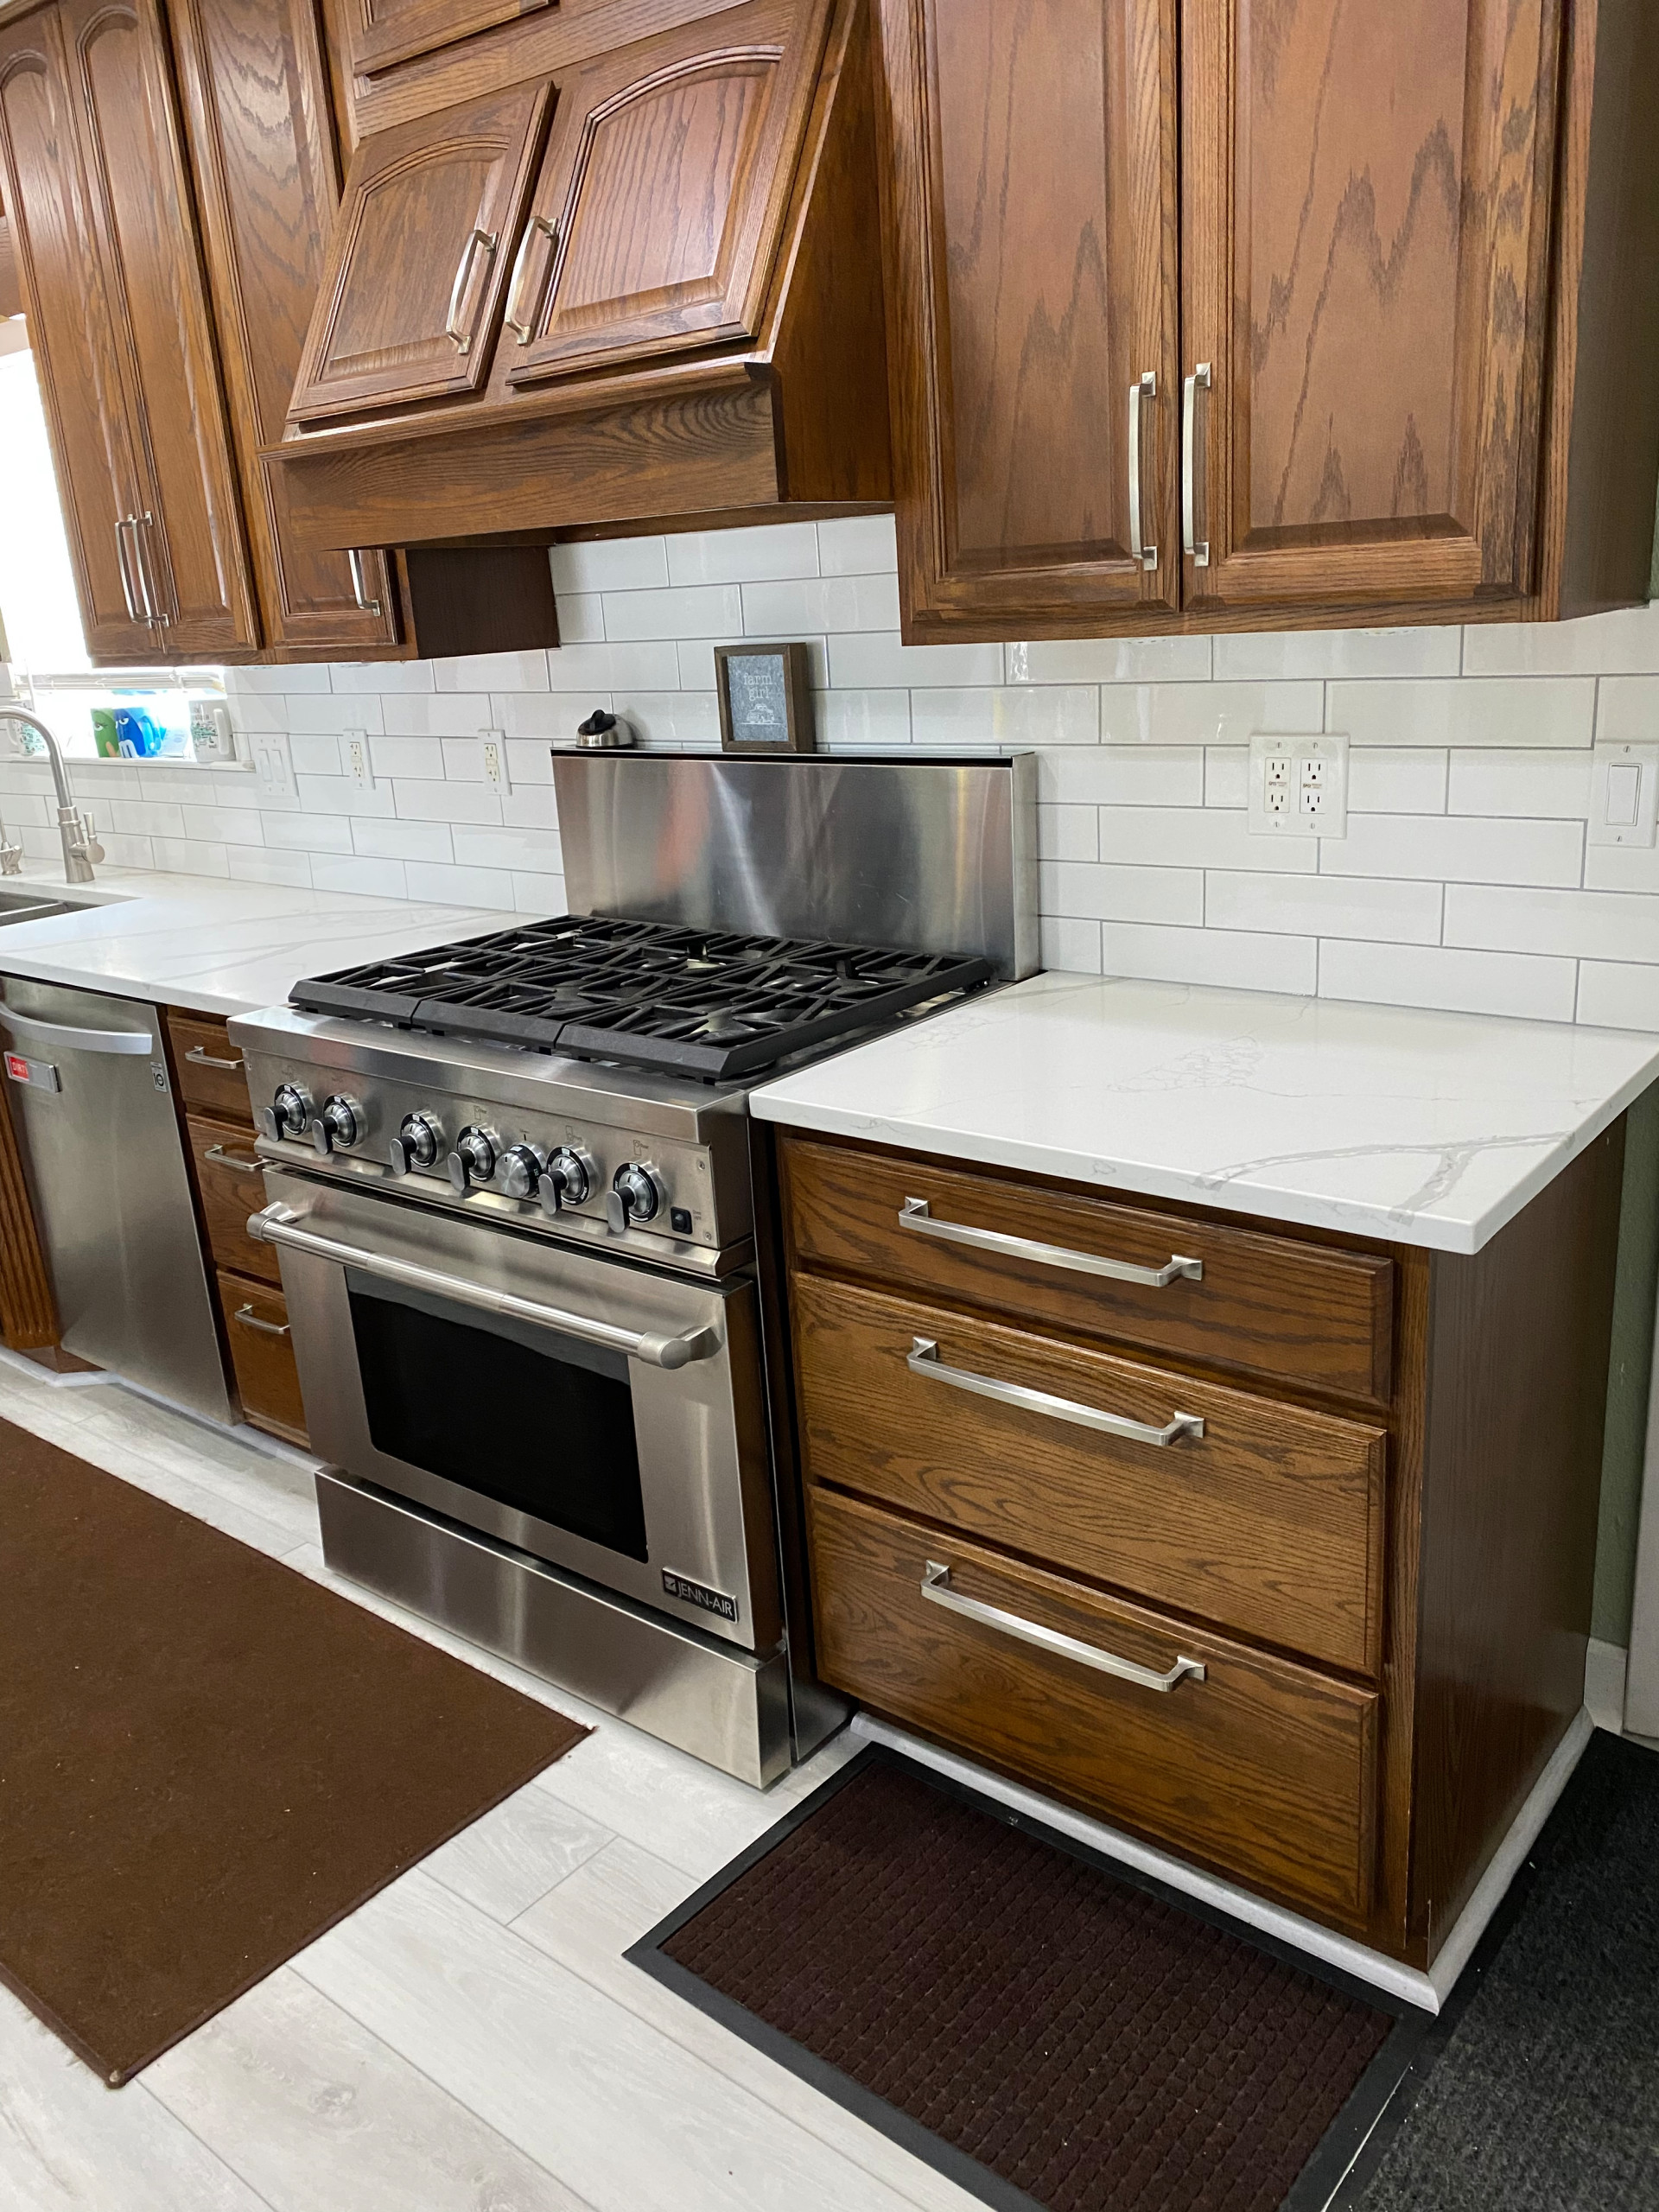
1605,1666
1429,1990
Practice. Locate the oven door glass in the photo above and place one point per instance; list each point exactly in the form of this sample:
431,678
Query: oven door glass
539,1422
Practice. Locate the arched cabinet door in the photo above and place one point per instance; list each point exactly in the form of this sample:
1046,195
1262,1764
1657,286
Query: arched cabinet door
1365,215
658,210
417,267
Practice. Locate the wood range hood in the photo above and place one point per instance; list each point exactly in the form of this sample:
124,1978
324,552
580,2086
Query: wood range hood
643,287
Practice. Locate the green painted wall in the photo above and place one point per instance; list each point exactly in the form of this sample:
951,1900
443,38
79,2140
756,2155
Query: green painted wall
1628,1373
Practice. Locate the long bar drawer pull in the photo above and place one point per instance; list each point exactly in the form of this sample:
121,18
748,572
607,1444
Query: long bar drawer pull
915,1214
924,1359
220,1157
250,1319
936,1588
277,1225
199,1057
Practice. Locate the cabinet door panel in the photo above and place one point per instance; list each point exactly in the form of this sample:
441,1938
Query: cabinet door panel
1027,293
385,32
418,263
1365,212
256,107
71,332
664,189
188,544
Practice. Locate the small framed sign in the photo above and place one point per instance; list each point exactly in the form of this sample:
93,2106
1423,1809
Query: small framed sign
766,698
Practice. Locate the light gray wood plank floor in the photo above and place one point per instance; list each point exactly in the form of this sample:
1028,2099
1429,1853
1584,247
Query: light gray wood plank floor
471,2039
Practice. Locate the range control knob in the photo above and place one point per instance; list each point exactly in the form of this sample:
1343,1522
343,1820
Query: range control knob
568,1180
340,1122
417,1144
521,1171
288,1113
636,1195
473,1159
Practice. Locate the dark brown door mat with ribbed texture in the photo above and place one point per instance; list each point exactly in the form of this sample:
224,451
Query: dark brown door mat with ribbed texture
205,1759
1043,2026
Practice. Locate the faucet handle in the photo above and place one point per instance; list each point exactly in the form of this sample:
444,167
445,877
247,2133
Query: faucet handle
11,855
86,842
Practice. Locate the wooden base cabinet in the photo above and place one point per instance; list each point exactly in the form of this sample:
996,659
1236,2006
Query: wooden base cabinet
1314,1620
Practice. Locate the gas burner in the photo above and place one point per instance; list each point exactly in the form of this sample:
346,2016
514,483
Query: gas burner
654,994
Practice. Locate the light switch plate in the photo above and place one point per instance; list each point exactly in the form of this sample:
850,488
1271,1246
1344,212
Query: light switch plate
1298,786
273,764
1623,794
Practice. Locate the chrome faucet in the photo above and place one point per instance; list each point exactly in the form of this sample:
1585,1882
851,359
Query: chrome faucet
76,829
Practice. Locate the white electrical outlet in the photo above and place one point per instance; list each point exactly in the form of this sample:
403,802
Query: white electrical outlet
1298,786
358,766
494,746
1624,793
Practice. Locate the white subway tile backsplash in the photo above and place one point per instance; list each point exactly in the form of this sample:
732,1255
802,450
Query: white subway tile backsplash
1200,836
1056,713
609,564
316,715
646,664
405,756
528,806
1456,848
382,677
1124,775
339,795
373,879
1626,642
1108,660
870,718
402,841
1269,656
520,671
1627,710
1384,779
530,761
857,545
1070,945
683,611
672,718
439,714
1617,995
742,556
1519,783
259,864
1472,710
185,857
876,660
581,617
229,825
543,716
1324,906
1232,958
1122,894
309,832
1463,983
459,886
316,756
534,852
413,800
1581,924
1068,833
820,604
1205,714
303,676
539,894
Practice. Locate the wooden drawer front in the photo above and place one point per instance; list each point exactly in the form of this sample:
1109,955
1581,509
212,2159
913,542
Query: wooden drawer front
1271,1522
1304,1313
262,1353
231,1187
1264,1768
211,1072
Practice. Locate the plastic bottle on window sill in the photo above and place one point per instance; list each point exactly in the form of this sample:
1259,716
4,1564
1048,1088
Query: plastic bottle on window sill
104,734
137,737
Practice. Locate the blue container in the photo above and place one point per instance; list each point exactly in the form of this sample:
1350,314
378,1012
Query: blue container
137,737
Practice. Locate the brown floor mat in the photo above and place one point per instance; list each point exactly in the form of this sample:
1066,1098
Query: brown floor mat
205,1759
1063,2036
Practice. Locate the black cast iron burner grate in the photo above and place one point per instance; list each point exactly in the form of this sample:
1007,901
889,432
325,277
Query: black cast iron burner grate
700,1002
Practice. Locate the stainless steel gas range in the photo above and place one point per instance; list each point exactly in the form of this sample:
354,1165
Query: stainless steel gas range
525,1221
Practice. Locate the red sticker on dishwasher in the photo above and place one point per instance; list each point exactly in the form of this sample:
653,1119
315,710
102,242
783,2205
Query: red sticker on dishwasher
16,1067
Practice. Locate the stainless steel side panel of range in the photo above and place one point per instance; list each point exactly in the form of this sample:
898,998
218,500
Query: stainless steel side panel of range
107,1176
723,1706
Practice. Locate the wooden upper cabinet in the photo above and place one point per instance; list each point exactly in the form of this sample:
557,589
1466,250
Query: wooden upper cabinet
256,110
72,332
1032,293
187,547
385,32
660,205
418,263
1365,228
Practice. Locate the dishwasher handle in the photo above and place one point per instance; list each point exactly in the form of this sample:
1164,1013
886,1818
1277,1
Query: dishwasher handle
278,1224
64,1037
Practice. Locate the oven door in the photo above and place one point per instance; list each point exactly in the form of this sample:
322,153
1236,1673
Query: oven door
595,1412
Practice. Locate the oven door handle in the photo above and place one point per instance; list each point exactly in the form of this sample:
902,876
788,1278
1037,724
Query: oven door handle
277,1225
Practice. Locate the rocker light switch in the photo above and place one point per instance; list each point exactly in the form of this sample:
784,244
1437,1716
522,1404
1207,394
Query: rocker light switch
1623,794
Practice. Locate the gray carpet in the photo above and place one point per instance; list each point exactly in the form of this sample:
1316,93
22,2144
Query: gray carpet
1546,2098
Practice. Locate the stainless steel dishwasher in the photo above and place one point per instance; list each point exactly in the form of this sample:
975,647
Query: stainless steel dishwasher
92,1107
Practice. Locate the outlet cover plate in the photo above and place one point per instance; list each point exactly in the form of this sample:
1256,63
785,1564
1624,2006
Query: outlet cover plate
358,766
1623,794
492,748
1298,786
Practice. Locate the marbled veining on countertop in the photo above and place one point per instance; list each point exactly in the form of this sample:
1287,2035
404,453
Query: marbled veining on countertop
215,946
1423,1127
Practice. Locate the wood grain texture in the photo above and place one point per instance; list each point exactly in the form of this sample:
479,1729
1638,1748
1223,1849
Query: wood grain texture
1025,296
1269,1524
1391,1903
267,1376
385,32
28,1313
1272,1306
255,94
1512,1475
484,599
1365,225
667,179
1264,1769
207,1068
189,543
428,222
229,1186
11,290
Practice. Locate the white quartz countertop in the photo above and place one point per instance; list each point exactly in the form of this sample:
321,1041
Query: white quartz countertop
214,946
1422,1128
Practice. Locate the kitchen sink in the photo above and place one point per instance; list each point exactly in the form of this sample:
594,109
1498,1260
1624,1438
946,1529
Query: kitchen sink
34,905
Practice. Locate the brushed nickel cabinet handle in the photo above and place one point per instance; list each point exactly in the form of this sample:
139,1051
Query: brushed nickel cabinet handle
134,612
141,526
199,1057
463,275
523,324
1199,549
923,1359
916,1214
250,1319
220,1157
367,603
1144,388
936,1588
